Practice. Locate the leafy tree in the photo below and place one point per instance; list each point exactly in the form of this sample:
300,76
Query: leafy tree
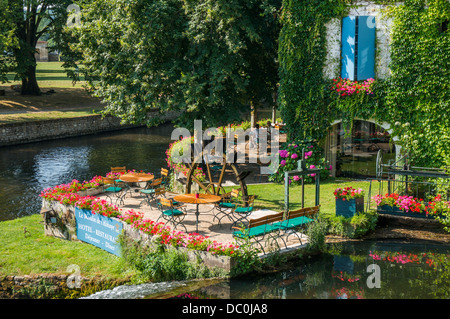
25,21
206,58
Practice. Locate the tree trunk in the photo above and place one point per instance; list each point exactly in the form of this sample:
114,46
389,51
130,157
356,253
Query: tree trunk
29,82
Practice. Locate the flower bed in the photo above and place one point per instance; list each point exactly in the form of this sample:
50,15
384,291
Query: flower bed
66,195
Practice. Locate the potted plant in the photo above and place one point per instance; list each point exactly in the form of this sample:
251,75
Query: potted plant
349,201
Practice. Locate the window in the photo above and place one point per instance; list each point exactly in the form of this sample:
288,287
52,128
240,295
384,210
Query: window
358,48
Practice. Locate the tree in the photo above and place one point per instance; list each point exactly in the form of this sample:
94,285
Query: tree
207,59
27,21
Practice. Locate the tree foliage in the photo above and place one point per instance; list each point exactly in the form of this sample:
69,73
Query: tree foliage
22,24
205,58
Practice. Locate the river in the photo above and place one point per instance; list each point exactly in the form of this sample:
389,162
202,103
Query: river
27,169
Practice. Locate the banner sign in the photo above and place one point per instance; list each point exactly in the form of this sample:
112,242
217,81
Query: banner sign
98,230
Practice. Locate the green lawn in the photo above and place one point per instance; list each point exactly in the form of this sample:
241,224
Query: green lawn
49,74
271,196
37,253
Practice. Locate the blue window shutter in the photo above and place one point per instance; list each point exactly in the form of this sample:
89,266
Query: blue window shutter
366,48
348,48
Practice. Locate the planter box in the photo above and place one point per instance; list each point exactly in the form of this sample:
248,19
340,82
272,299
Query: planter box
394,210
348,208
91,191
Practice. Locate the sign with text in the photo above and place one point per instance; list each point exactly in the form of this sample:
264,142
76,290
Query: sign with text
98,230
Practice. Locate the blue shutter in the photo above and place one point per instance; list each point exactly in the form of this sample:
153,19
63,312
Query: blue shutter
366,48
348,48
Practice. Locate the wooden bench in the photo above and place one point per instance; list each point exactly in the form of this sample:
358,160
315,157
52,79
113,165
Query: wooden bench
297,219
261,229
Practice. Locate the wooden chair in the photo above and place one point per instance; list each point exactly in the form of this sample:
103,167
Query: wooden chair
261,230
242,211
173,215
111,189
165,177
150,191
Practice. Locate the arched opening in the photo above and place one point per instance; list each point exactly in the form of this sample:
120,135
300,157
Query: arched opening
354,155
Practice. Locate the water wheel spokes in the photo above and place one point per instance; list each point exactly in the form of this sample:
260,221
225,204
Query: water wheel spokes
226,171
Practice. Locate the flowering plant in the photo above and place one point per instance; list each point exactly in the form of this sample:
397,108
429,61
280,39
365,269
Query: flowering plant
348,193
178,147
292,153
406,203
437,206
346,87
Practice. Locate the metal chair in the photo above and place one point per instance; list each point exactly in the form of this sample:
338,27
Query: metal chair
173,215
111,189
226,205
242,211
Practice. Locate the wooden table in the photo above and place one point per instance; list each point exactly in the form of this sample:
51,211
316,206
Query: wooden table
136,177
202,199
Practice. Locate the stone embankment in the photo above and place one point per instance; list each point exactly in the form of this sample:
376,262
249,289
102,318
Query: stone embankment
36,131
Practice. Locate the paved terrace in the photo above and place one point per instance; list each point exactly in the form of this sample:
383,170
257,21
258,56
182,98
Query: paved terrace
207,225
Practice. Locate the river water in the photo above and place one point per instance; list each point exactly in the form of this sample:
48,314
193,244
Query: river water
25,170
361,270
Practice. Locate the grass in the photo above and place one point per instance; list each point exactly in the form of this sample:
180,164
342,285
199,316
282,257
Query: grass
271,196
41,116
37,253
49,74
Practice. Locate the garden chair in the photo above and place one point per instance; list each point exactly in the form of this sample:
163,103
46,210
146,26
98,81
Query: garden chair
165,178
242,211
111,190
150,191
173,215
226,205
261,230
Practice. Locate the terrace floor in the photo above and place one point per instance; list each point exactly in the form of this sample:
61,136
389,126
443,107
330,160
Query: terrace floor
207,225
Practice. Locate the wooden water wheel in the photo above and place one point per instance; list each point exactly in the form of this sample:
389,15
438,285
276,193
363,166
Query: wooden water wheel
218,173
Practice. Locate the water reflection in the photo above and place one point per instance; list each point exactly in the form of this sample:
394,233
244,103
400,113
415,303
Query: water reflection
406,272
25,170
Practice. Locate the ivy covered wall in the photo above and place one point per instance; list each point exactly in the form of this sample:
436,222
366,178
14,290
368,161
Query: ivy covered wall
414,99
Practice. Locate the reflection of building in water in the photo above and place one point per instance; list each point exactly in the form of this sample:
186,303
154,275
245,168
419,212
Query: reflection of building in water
353,153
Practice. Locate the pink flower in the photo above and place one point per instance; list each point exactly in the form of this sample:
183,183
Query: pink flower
283,163
296,178
294,156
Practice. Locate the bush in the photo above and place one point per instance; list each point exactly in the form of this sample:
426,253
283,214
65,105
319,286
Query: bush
354,227
290,154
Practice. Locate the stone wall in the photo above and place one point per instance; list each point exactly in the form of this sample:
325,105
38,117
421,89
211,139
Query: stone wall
59,221
35,131
383,30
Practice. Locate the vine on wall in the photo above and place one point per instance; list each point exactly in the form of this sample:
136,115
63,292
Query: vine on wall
414,100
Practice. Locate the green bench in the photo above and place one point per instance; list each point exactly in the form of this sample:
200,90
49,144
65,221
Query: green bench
260,229
297,219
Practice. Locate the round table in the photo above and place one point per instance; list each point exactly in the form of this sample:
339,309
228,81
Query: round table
136,177
202,199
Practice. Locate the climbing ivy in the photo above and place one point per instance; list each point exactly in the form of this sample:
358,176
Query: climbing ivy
419,93
414,100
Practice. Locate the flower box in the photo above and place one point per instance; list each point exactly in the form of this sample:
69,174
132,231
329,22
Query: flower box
349,207
394,210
